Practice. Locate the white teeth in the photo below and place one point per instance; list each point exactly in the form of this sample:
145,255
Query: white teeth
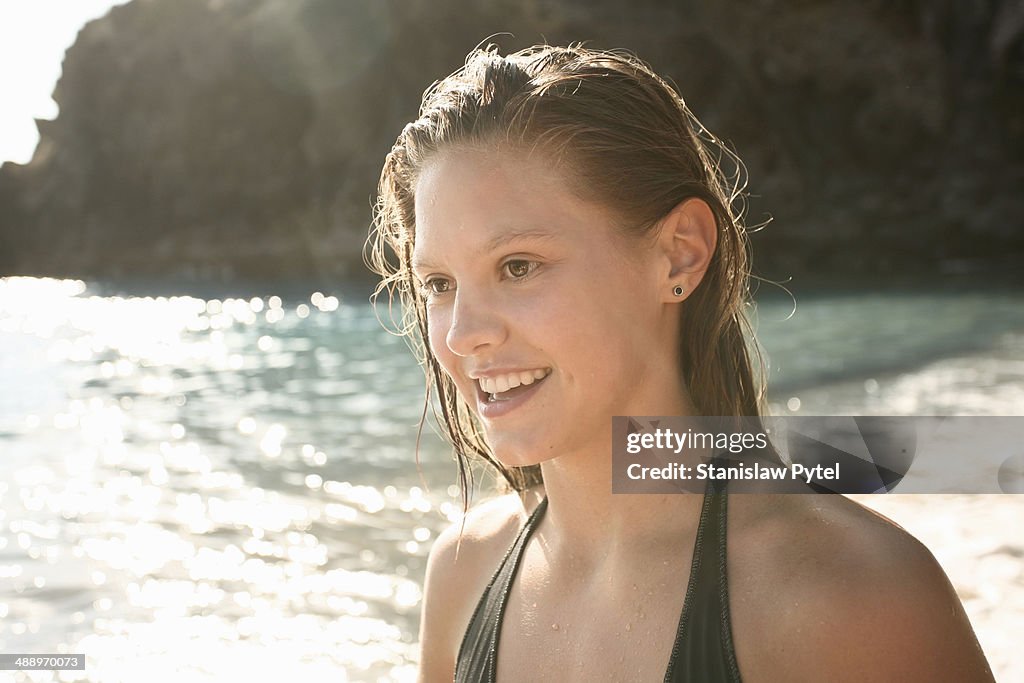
497,385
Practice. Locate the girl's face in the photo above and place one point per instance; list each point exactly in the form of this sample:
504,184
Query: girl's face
548,320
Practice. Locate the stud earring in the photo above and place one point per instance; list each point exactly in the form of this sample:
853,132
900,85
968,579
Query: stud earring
678,290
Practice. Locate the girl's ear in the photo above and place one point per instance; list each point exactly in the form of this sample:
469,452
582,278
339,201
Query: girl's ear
688,237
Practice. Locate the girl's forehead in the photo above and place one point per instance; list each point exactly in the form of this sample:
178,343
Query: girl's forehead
472,201
481,165
466,190
471,206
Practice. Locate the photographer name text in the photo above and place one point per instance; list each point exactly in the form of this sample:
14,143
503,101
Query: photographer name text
705,471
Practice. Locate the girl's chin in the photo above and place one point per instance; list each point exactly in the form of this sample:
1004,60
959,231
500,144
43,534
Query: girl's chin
512,456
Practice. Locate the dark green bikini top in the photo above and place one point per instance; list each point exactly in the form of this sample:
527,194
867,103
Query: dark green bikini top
703,649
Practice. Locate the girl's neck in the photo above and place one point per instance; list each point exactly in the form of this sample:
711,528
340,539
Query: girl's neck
585,519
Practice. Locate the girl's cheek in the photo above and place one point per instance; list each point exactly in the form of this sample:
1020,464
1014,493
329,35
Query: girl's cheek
438,327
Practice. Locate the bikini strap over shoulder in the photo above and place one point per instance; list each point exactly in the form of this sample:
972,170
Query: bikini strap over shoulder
478,653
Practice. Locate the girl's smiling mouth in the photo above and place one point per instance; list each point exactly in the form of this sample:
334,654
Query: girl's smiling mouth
500,392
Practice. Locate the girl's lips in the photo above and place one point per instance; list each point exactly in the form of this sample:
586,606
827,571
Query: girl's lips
498,407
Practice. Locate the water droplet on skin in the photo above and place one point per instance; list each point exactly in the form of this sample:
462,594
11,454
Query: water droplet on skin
629,627
554,627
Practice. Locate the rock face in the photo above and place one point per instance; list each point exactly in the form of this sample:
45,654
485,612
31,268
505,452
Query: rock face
224,138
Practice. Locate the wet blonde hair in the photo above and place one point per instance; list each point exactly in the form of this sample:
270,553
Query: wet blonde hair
632,145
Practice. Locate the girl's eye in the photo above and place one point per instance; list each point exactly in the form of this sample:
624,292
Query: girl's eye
436,285
519,268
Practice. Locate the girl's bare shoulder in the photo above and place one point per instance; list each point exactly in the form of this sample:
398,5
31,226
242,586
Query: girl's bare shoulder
835,590
485,533
461,563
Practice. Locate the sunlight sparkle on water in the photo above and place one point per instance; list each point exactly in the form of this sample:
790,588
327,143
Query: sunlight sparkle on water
193,469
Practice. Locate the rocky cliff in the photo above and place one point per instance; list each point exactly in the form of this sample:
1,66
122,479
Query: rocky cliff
223,138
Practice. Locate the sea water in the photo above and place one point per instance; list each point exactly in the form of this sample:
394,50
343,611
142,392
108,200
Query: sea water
212,487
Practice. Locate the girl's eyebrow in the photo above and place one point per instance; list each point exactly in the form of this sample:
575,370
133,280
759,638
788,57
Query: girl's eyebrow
514,236
421,263
500,240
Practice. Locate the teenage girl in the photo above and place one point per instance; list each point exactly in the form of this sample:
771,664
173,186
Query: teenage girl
567,249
